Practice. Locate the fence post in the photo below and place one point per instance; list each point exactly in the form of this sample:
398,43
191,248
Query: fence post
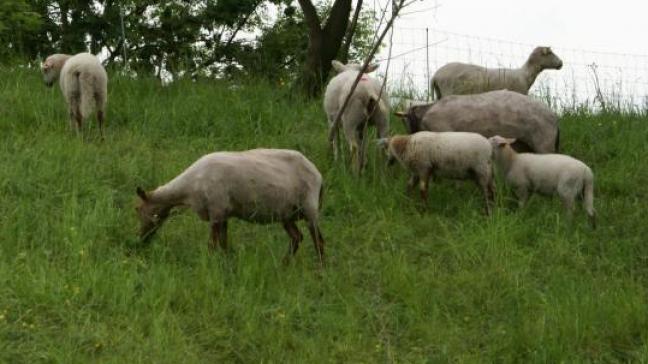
427,63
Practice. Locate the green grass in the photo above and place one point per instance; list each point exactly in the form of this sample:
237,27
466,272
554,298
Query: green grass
401,285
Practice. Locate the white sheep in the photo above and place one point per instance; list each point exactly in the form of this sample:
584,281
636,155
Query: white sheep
84,84
366,103
258,185
462,78
547,174
501,112
455,155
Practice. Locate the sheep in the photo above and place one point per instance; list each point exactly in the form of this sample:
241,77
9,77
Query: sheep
258,185
84,84
456,155
462,79
368,102
532,123
546,174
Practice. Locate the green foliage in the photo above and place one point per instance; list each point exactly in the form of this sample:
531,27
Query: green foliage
401,285
17,22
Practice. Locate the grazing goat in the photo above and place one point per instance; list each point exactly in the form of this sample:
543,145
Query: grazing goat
501,112
453,155
367,103
259,185
84,84
463,79
546,174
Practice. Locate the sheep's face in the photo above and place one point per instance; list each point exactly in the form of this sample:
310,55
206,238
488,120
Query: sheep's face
413,116
339,67
383,143
151,216
500,143
51,69
545,58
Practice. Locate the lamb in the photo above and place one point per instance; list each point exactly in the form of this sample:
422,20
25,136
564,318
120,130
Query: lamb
546,174
454,155
258,185
532,123
84,84
463,79
366,103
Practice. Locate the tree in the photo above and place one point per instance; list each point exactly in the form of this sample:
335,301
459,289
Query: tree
324,42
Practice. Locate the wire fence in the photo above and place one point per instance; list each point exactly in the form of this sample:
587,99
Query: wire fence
588,79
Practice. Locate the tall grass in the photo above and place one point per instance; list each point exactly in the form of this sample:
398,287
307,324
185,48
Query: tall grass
401,284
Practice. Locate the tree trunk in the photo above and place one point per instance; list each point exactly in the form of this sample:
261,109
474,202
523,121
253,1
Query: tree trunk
344,54
323,43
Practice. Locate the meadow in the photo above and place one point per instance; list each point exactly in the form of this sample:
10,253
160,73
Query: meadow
401,284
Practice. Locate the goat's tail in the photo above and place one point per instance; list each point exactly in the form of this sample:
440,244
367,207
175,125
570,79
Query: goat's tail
588,196
86,87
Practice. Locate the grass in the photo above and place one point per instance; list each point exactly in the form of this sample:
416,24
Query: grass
401,285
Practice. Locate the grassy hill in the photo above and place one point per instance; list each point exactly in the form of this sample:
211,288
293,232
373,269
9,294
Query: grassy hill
401,285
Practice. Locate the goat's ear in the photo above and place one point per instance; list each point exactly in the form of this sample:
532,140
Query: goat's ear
372,67
338,66
400,114
142,194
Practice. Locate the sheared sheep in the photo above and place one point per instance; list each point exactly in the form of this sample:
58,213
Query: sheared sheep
84,84
454,155
258,185
463,79
546,174
503,112
366,103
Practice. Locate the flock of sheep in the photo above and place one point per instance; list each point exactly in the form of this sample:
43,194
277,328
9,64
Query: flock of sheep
481,117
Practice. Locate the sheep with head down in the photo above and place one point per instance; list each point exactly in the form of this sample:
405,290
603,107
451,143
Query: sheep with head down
258,185
84,84
463,79
367,104
452,155
503,112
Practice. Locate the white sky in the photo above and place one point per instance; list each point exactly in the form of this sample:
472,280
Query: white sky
610,26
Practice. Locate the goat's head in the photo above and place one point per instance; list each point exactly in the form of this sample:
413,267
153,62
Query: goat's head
544,58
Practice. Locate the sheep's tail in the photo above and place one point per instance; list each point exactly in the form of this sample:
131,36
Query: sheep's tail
87,93
588,196
436,91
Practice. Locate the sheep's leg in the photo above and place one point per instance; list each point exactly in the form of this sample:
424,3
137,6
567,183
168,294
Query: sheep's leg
318,240
361,133
487,187
522,194
100,121
424,181
218,236
335,142
412,182
295,238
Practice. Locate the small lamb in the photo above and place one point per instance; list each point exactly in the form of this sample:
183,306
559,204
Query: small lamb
546,174
455,155
258,185
367,103
84,84
463,79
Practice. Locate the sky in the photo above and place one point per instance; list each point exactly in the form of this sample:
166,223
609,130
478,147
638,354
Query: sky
618,26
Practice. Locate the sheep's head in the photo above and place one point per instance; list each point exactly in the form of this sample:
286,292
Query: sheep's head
413,116
339,67
51,68
151,215
500,143
544,58
383,143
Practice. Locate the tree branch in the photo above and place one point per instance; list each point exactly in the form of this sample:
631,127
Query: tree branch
310,15
344,57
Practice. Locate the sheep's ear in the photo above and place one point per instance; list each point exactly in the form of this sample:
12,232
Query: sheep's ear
372,67
510,140
338,66
142,194
400,114
382,142
546,51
